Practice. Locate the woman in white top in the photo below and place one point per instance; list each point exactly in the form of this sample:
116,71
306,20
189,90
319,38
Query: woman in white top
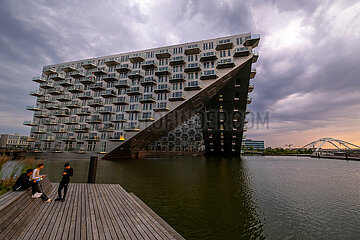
36,191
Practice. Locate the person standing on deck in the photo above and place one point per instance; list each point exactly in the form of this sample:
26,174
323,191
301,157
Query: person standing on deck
68,172
37,178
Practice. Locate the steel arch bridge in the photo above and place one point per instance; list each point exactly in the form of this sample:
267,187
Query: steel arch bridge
317,145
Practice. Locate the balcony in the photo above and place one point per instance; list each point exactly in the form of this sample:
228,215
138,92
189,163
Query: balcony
118,118
88,80
147,117
162,88
135,74
62,113
134,108
249,100
34,108
136,57
251,88
46,85
192,86
192,67
68,69
255,56
50,122
252,72
108,93
162,71
106,110
38,131
178,60
161,107
120,101
99,72
73,104
163,53
133,91
45,99
147,98
83,112
131,127
252,40
192,49
242,52
59,129
176,96
88,65
175,78
36,93
69,139
123,68
52,106
71,121
76,89
39,79
58,77
66,83
117,138
208,56
49,71
148,81
92,138
224,44
225,63
96,103
30,123
31,139
108,127
97,86
56,91
149,65
208,74
83,128
122,84
111,77
77,74
111,62
64,98
94,119
41,114
86,95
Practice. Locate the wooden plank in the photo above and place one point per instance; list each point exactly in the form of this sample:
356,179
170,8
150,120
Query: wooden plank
147,225
130,217
36,220
94,228
102,218
75,218
129,228
115,228
73,189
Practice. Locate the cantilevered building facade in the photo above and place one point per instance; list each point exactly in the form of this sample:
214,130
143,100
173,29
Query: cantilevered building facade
186,97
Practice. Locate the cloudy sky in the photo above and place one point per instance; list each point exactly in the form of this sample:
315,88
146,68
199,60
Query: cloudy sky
308,70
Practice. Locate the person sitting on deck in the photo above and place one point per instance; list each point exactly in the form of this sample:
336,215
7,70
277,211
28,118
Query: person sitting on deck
68,172
23,182
37,178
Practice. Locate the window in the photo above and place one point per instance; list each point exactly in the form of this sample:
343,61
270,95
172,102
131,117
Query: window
209,45
162,96
225,53
147,106
177,86
163,79
178,50
124,58
178,68
149,54
149,72
210,64
136,65
239,41
193,75
164,61
192,58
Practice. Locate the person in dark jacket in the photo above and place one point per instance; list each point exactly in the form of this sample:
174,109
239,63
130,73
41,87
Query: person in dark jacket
23,182
68,172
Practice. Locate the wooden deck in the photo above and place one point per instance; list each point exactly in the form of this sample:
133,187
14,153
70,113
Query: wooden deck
96,211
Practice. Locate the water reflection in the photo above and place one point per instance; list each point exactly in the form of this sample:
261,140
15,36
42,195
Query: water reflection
202,198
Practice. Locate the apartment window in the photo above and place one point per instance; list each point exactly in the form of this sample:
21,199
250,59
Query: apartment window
134,82
149,54
134,99
178,50
147,106
136,65
210,64
192,58
124,58
239,41
133,116
193,75
164,61
110,84
162,96
178,68
177,86
149,72
225,53
163,79
112,68
120,108
148,89
123,75
209,45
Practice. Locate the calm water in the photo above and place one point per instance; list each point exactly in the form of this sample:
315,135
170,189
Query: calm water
249,198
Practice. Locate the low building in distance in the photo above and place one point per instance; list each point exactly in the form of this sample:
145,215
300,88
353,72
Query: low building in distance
254,144
185,97
13,141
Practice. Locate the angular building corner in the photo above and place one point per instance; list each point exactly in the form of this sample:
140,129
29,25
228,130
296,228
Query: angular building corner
122,104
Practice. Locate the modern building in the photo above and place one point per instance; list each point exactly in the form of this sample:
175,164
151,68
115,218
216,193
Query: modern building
254,144
185,97
11,141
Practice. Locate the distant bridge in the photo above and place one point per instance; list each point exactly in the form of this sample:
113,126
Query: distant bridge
339,145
